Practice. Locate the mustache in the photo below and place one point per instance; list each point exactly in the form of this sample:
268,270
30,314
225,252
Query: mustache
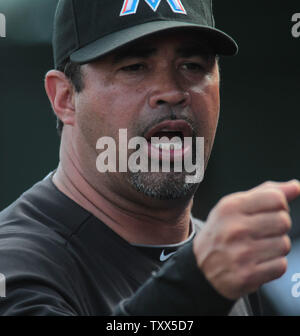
170,116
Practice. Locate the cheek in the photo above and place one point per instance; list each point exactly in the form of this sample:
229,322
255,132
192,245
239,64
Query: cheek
206,101
89,120
104,110
95,112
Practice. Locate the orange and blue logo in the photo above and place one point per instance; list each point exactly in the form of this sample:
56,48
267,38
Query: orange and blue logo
131,6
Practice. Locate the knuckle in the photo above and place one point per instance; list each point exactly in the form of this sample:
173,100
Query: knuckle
237,232
230,203
282,266
268,184
285,221
278,198
286,245
243,257
224,204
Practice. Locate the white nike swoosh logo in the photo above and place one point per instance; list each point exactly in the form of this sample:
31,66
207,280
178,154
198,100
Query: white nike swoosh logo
164,257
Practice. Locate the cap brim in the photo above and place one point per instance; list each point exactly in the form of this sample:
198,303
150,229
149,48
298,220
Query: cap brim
222,43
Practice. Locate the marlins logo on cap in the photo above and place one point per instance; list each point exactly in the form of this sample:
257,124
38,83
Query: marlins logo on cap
85,30
130,6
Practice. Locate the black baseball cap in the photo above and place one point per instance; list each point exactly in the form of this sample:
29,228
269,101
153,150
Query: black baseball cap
85,30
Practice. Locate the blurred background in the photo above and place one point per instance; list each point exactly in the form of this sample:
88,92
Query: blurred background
258,135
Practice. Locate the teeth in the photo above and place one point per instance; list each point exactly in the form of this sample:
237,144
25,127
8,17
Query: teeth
168,146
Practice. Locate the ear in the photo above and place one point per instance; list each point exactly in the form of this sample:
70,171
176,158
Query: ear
61,95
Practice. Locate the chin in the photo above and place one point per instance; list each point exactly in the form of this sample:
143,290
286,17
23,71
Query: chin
162,186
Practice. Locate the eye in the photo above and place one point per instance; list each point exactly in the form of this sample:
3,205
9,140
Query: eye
133,67
194,67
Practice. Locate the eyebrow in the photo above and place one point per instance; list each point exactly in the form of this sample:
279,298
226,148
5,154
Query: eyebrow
146,52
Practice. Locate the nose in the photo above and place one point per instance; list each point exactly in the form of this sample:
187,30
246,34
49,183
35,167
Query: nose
167,90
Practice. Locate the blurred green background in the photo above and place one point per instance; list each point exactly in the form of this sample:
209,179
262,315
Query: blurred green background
258,135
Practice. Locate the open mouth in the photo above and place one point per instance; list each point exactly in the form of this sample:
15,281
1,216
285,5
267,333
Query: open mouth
166,140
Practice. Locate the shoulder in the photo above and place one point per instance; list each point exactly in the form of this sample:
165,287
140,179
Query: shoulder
38,269
34,232
42,212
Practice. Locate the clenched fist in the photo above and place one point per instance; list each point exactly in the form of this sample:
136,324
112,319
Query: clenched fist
244,241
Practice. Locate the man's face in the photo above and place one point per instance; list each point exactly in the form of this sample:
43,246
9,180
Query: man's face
168,76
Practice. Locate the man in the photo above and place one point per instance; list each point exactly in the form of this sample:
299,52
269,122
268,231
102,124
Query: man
84,242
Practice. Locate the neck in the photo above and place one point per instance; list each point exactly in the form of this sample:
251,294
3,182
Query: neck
168,223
